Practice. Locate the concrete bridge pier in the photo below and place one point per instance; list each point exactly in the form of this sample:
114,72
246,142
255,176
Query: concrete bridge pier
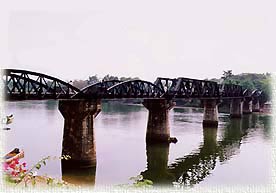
256,105
210,115
236,108
78,135
158,129
247,106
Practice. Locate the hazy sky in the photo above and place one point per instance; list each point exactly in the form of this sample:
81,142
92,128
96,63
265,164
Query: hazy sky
197,39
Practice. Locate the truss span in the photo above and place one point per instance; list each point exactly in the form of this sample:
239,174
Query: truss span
192,88
23,85
231,91
97,90
134,89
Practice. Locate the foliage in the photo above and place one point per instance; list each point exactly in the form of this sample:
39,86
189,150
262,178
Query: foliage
227,75
128,78
80,83
138,182
16,173
109,77
255,81
94,79
250,81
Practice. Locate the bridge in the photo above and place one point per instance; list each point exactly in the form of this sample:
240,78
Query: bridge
80,107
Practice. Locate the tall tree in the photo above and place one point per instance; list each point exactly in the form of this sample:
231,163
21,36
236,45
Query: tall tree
226,77
93,79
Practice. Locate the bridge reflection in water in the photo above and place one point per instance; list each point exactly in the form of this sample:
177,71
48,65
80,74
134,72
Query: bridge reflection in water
194,168
187,170
84,177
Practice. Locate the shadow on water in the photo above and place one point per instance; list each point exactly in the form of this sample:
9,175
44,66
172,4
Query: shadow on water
157,164
266,122
119,108
80,177
190,169
194,168
51,104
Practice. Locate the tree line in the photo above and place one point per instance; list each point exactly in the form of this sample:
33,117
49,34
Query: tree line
250,81
94,79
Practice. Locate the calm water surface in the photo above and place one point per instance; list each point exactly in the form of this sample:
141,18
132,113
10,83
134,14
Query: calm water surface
237,152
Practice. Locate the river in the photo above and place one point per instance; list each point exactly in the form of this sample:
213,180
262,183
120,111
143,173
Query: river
237,152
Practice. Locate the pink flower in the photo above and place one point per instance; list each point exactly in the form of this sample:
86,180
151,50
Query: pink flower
5,166
12,165
16,161
13,173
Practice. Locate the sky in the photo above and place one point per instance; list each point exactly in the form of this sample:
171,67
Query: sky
147,39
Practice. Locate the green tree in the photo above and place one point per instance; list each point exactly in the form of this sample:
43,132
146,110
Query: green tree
93,79
108,77
80,83
250,81
226,77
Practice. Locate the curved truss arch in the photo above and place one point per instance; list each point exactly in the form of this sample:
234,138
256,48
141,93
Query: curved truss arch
134,89
23,84
256,93
246,93
96,90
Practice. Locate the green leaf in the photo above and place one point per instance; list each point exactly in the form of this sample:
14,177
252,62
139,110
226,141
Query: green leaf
44,162
33,182
148,182
50,181
132,178
38,166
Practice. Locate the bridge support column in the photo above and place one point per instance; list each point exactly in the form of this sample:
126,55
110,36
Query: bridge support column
210,115
256,105
247,106
78,136
236,108
158,129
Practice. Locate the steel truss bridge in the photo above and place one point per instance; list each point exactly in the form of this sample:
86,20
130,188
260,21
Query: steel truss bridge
27,85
